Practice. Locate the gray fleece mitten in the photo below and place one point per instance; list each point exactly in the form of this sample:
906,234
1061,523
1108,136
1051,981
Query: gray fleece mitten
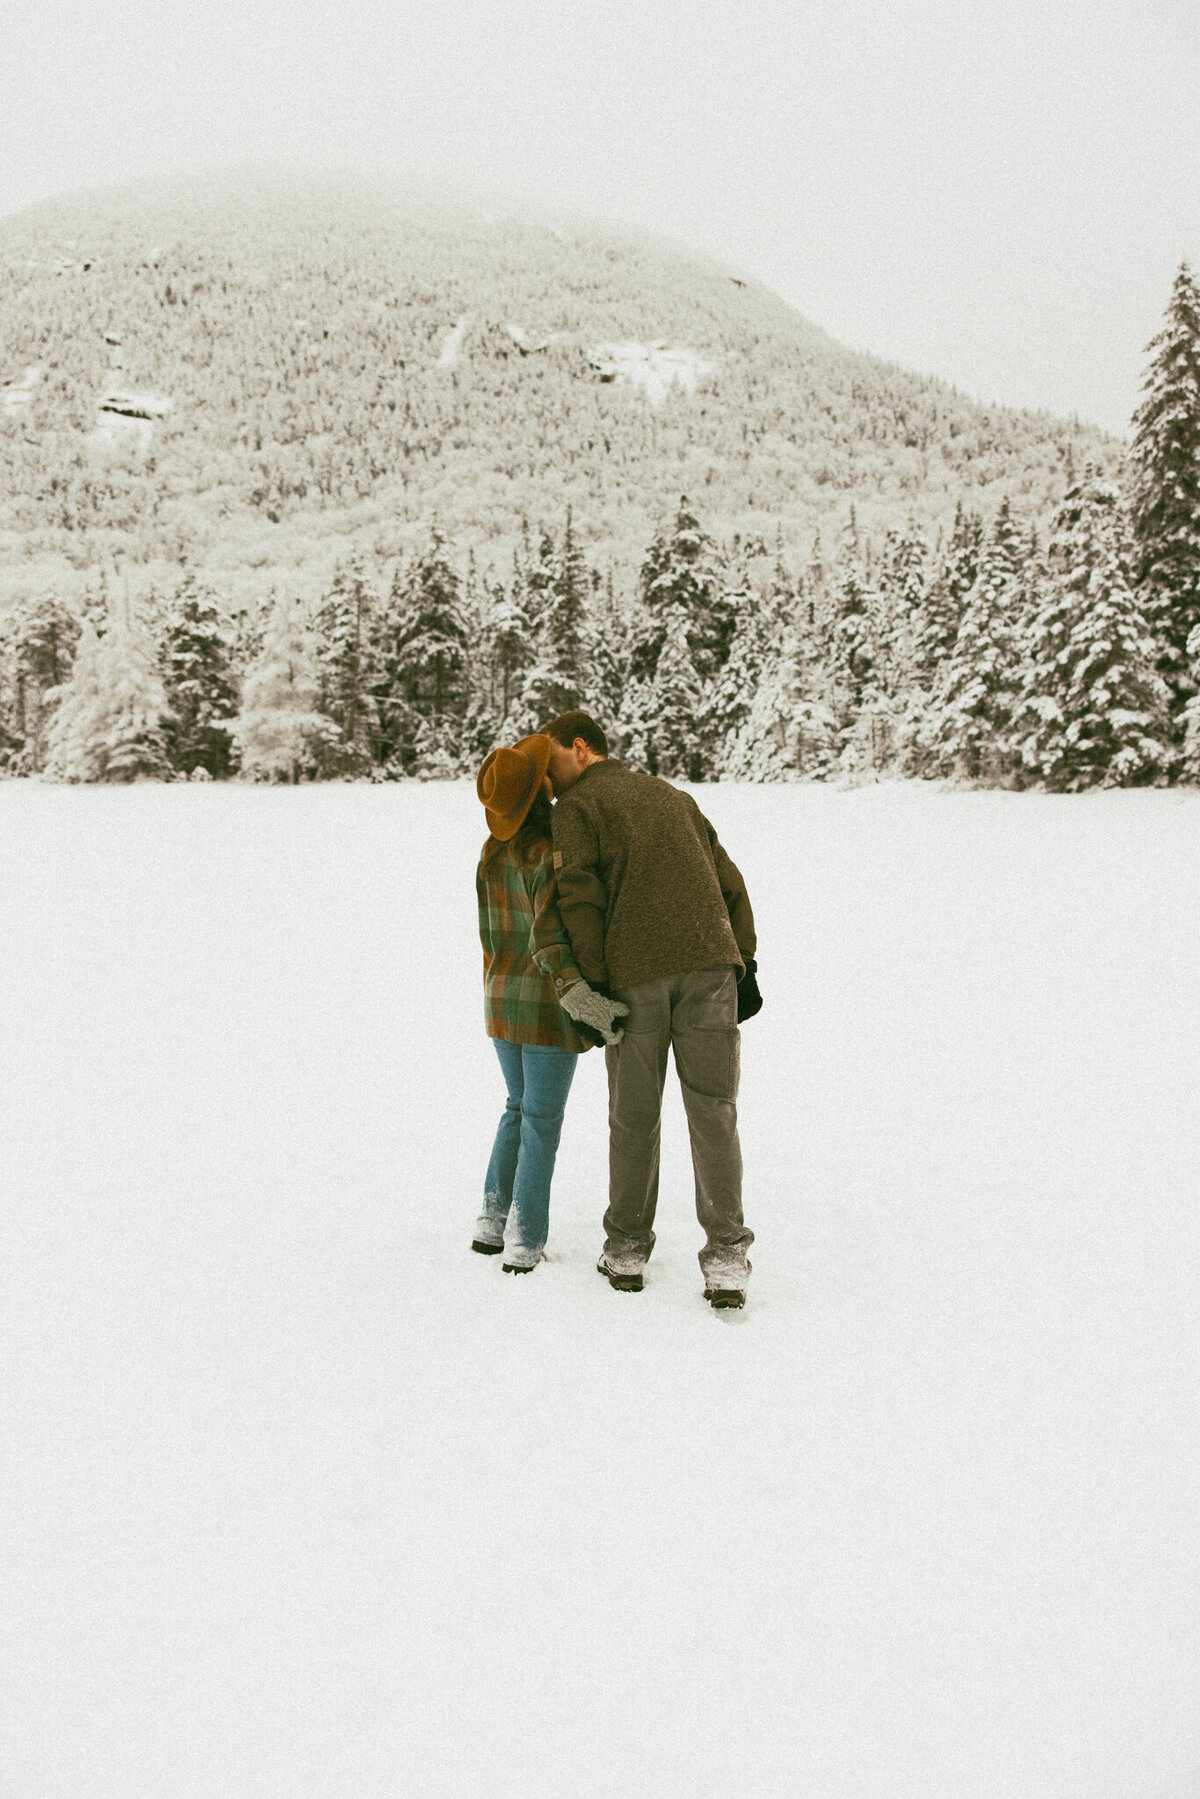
586,1006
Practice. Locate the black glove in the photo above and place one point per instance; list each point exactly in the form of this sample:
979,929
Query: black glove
749,998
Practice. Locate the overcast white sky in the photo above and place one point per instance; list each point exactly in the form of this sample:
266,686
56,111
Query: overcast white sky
996,191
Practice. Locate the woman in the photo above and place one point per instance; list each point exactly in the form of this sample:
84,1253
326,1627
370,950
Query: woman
536,1042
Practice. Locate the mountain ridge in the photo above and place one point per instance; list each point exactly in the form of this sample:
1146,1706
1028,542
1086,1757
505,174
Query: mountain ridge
281,351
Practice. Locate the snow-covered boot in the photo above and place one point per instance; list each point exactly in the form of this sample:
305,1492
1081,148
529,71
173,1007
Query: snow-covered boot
725,1286
624,1283
486,1249
725,1298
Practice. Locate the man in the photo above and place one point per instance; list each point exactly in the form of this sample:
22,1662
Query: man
660,925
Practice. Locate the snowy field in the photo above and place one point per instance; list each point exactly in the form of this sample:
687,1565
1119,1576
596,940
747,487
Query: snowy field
300,1498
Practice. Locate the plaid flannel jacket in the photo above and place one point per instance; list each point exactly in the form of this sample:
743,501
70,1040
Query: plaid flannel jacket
527,954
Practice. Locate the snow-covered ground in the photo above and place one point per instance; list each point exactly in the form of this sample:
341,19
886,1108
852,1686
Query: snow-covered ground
125,422
15,394
654,368
301,1498
452,344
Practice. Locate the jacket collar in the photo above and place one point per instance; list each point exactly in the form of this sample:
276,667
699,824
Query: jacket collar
605,762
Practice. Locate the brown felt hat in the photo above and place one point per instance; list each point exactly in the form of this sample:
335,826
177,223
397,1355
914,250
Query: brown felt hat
509,782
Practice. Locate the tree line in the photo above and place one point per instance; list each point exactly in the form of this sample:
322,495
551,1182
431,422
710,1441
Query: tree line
993,656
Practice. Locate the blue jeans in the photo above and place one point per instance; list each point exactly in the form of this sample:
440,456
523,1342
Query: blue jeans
516,1189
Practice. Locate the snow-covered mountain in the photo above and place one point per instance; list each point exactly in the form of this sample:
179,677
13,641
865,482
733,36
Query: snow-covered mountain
330,366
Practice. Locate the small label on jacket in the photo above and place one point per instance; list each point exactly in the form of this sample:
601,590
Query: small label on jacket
558,858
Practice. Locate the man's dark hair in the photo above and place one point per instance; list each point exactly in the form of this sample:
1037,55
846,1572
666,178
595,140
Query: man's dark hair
569,725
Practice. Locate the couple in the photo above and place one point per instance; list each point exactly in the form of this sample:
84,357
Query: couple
613,916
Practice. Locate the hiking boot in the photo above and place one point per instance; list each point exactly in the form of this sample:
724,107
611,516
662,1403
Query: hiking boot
624,1283
486,1249
725,1287
517,1267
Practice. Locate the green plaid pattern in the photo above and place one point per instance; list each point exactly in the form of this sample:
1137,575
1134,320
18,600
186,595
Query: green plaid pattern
526,950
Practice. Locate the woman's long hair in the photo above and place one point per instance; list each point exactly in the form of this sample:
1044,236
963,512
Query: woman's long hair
531,840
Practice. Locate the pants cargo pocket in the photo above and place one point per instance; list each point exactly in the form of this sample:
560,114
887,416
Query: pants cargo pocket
709,1062
704,1033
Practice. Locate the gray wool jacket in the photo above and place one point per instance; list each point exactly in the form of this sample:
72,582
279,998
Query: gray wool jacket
644,888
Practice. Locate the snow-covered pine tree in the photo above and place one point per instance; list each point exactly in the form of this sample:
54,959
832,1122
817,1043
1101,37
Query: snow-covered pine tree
97,601
675,749
140,710
45,634
606,658
531,576
481,721
635,723
881,731
817,620
1189,762
511,651
971,708
464,743
38,650
557,596
40,641
802,605
854,658
936,631
398,720
1093,711
280,730
852,651
475,611
794,716
712,640
447,748
568,613
109,724
782,598
535,569
788,734
901,588
494,645
247,627
1165,488
196,662
540,567
75,748
429,656
349,671
789,607
732,691
942,611
516,628
10,743
681,572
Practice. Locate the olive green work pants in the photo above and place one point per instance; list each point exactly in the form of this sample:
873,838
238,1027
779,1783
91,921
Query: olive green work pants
695,1014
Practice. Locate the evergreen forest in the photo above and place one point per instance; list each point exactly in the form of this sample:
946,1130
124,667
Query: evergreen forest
617,478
